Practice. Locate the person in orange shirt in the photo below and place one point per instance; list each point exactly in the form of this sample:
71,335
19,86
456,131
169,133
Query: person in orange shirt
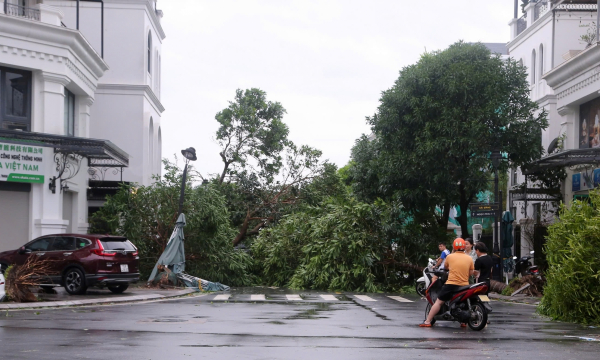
460,267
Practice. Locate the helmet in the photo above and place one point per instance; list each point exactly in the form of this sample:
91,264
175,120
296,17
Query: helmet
458,244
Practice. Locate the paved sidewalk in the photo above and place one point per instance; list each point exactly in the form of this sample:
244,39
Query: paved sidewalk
96,297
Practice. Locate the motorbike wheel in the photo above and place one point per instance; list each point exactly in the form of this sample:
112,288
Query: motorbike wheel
427,309
420,287
481,317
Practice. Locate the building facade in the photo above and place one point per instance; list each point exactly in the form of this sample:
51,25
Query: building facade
557,42
79,107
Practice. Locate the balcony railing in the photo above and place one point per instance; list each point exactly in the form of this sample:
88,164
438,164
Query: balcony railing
521,24
539,9
21,11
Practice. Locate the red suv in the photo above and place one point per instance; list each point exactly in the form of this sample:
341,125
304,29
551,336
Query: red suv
79,261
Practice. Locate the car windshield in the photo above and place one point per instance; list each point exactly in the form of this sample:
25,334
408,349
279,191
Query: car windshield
117,244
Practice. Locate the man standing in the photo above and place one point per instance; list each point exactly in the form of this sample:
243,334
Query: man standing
484,264
441,261
460,267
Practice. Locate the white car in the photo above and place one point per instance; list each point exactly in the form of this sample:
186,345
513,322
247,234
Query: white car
2,294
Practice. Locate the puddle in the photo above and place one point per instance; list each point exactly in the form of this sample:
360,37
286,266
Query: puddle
194,320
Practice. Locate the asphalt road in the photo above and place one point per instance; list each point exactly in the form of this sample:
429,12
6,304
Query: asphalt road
305,327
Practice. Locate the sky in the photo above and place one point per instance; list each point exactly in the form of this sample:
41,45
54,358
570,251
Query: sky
325,61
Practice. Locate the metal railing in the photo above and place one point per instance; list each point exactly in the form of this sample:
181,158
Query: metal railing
521,24
21,11
539,9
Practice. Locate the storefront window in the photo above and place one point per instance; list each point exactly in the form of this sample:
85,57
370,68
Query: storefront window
15,94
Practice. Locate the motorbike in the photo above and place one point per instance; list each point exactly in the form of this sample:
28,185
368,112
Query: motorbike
524,267
424,281
469,304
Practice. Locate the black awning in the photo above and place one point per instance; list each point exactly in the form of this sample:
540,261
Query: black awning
564,159
95,150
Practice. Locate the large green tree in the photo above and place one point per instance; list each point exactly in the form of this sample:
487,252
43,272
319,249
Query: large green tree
436,127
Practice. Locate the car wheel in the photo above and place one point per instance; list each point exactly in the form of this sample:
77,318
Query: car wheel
118,289
74,282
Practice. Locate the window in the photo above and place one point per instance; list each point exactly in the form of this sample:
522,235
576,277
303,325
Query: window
64,243
40,245
541,61
151,145
15,99
532,70
514,177
81,243
69,113
149,52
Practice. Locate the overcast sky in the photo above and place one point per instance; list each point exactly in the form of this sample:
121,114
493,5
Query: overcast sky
325,61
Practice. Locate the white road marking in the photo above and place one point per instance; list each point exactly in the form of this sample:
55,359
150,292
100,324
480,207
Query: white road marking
364,298
293,297
329,297
257,297
222,297
399,298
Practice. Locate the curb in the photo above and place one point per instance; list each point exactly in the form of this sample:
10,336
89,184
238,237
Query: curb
518,300
100,301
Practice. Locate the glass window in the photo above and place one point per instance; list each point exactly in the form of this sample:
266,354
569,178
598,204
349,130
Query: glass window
63,243
15,103
40,245
117,244
69,113
81,243
149,52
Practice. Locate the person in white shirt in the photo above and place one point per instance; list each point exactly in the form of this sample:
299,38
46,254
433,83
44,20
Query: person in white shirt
442,259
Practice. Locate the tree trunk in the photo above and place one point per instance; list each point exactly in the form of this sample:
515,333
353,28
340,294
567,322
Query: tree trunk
242,234
445,215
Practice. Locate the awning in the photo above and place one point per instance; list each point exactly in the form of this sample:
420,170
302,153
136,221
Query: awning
99,152
564,159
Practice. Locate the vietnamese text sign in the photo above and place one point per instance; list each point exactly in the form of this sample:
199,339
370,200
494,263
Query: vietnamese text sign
477,214
22,163
484,210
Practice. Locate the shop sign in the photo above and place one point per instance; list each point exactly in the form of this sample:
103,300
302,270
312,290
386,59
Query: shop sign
23,163
576,182
484,210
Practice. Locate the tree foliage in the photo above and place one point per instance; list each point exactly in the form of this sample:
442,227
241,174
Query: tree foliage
435,128
146,215
573,254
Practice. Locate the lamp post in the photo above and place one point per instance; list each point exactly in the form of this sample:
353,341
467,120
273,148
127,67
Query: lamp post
496,157
190,155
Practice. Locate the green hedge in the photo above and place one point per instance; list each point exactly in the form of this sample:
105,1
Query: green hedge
572,292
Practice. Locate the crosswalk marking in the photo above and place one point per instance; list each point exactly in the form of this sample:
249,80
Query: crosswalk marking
293,297
364,298
399,298
329,297
222,297
257,297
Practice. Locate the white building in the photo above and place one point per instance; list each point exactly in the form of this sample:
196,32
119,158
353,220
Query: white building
62,89
555,40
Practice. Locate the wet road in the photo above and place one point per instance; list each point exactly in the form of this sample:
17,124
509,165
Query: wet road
285,325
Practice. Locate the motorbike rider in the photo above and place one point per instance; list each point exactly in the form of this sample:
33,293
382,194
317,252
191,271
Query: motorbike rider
460,266
442,259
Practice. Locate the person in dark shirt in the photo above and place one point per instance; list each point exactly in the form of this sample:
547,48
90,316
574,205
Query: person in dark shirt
483,264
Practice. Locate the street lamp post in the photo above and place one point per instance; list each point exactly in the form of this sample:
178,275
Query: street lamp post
496,157
190,155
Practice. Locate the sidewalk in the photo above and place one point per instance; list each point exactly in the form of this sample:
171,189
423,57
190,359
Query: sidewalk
96,297
521,299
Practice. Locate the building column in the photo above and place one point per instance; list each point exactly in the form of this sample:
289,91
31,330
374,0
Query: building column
83,119
513,28
53,100
567,126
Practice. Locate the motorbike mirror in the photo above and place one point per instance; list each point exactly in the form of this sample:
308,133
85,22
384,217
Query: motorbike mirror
531,252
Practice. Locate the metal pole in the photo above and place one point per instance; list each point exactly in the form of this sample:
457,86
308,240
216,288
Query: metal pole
496,248
77,14
102,30
182,188
5,7
525,193
597,21
516,9
500,237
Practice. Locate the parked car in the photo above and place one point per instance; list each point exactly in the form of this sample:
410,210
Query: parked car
80,261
